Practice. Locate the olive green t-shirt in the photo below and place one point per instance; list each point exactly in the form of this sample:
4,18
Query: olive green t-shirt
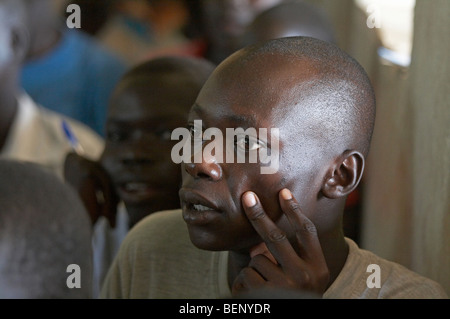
157,260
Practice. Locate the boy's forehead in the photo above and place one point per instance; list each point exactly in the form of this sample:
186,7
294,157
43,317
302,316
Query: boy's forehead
267,72
144,100
267,85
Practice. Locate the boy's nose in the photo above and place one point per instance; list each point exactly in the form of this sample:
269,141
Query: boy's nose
207,168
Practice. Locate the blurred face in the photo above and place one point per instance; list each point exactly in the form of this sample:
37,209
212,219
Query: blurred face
138,144
243,95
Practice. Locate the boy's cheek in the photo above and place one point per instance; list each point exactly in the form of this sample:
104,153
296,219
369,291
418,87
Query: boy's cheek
266,187
110,152
108,161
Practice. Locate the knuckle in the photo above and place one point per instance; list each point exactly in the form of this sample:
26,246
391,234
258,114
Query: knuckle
325,276
245,273
277,235
257,261
238,285
324,273
294,206
256,212
309,227
241,282
306,277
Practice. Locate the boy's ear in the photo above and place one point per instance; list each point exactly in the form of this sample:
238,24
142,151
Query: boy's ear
345,175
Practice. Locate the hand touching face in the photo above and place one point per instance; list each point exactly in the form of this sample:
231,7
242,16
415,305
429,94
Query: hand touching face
301,268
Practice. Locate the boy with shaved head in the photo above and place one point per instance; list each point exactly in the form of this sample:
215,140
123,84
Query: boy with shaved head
238,229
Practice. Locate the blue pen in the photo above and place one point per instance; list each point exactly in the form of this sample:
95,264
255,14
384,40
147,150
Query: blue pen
76,146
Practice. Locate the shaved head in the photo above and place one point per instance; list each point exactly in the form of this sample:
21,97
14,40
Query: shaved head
186,74
193,69
44,228
331,86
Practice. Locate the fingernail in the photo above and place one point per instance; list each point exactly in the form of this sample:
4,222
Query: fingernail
286,194
249,199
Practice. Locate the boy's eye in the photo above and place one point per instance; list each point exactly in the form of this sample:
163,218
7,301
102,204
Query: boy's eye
196,132
247,143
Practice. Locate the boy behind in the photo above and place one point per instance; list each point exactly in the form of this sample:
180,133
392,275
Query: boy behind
135,175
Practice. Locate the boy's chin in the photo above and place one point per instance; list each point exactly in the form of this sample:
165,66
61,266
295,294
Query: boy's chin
203,241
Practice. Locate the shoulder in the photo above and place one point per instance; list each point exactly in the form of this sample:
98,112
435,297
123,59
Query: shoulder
157,257
92,143
52,123
366,275
401,282
157,232
162,233
161,221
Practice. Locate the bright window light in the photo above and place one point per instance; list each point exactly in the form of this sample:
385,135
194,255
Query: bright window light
395,20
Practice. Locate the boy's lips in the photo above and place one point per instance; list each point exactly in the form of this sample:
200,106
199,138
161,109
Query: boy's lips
197,209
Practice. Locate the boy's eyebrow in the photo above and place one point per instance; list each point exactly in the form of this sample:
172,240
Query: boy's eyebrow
244,121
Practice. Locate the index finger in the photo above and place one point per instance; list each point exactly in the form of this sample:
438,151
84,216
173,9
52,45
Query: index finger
275,239
304,228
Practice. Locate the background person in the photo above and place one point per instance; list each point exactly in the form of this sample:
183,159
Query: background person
28,131
135,171
44,228
66,70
